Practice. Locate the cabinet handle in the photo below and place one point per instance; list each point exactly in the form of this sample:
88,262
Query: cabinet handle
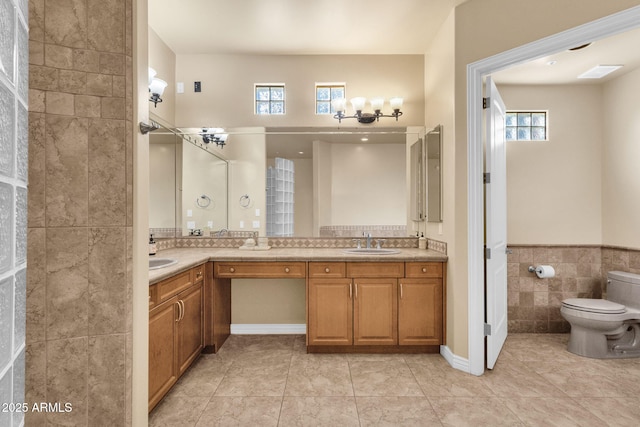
350,290
182,311
179,311
232,270
326,270
286,269
424,269
198,274
356,291
400,290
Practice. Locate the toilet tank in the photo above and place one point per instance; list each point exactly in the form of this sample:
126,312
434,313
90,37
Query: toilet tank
624,288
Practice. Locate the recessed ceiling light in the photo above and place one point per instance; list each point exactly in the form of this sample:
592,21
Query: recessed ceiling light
300,152
599,71
364,139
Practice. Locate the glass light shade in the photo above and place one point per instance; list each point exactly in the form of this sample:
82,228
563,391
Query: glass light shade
395,103
222,137
358,103
377,103
152,74
215,130
157,86
339,104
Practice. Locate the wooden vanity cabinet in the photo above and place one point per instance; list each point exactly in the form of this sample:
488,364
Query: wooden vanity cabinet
176,329
372,306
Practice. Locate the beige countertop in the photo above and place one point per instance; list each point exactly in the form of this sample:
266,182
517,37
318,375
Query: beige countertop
190,257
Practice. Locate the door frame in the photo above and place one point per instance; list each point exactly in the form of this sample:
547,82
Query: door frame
610,25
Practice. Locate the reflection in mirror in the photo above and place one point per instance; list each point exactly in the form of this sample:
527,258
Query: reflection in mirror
188,186
434,175
417,181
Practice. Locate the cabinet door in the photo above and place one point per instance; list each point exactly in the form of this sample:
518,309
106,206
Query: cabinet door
375,311
163,369
330,314
420,312
190,327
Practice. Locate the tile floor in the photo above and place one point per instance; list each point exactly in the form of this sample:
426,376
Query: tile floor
271,381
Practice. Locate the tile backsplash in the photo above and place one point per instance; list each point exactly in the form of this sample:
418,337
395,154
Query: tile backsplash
581,271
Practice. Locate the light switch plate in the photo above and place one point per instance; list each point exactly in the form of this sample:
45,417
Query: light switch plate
180,87
241,224
191,225
256,224
189,213
210,224
258,212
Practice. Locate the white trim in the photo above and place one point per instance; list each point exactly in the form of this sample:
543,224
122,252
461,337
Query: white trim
268,329
613,24
456,362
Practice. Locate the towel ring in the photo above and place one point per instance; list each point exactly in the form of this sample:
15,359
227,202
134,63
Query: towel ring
245,201
203,201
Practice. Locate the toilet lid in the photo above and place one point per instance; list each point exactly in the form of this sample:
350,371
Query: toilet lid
594,305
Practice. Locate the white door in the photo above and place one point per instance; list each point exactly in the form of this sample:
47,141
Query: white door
496,223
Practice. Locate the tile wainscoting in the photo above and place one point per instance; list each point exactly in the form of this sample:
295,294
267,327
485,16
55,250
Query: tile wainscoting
581,271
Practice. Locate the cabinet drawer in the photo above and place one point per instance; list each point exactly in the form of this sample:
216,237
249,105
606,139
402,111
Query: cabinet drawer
260,269
153,296
375,269
327,269
170,287
423,269
198,273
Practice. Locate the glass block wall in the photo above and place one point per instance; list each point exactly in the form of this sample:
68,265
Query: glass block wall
280,180
14,59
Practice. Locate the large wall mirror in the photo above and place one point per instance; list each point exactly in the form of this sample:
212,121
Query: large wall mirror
343,181
188,188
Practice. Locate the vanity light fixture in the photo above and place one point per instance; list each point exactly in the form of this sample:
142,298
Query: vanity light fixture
358,103
215,135
156,87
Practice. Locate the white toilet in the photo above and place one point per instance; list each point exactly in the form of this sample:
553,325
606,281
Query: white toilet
606,328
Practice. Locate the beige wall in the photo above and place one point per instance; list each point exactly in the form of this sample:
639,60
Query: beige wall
163,60
228,82
620,168
475,39
268,301
81,213
554,187
162,191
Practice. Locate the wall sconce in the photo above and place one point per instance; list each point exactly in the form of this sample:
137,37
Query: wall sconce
215,135
156,87
340,106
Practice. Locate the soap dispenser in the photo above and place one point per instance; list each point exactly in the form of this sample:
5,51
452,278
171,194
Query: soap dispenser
153,248
422,242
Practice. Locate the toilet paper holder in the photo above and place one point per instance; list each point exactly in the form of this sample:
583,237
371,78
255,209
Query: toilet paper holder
542,271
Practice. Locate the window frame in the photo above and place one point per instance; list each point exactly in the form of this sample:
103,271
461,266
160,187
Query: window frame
270,86
532,111
329,85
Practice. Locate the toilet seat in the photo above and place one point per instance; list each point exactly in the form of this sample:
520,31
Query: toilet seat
601,306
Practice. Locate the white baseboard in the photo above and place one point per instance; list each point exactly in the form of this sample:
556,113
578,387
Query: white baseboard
268,329
456,362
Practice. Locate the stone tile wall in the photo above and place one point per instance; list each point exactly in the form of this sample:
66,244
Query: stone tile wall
14,52
80,213
581,271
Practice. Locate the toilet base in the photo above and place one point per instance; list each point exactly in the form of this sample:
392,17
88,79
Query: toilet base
621,344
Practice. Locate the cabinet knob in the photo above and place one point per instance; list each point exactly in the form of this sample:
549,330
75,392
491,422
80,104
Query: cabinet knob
326,270
232,270
424,269
286,269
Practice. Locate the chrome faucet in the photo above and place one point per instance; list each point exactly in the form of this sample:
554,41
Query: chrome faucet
368,236
222,232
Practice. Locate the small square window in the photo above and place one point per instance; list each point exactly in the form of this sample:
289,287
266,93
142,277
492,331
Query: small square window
325,93
526,126
269,99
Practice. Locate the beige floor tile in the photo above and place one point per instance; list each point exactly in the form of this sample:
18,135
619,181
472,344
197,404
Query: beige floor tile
446,382
203,378
319,375
177,410
318,411
516,380
551,411
590,384
396,411
620,412
253,381
383,378
473,412
241,411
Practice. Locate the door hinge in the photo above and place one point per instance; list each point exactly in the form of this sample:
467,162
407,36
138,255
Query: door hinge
485,102
486,178
487,329
487,253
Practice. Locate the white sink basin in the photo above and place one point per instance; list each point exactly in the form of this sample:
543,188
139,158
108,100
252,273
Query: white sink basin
371,251
155,263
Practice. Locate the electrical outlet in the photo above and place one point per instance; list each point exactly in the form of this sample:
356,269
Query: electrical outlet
189,213
256,224
241,224
257,212
197,86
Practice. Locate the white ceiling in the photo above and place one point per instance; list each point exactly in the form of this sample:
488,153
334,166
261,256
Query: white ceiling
621,49
298,26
